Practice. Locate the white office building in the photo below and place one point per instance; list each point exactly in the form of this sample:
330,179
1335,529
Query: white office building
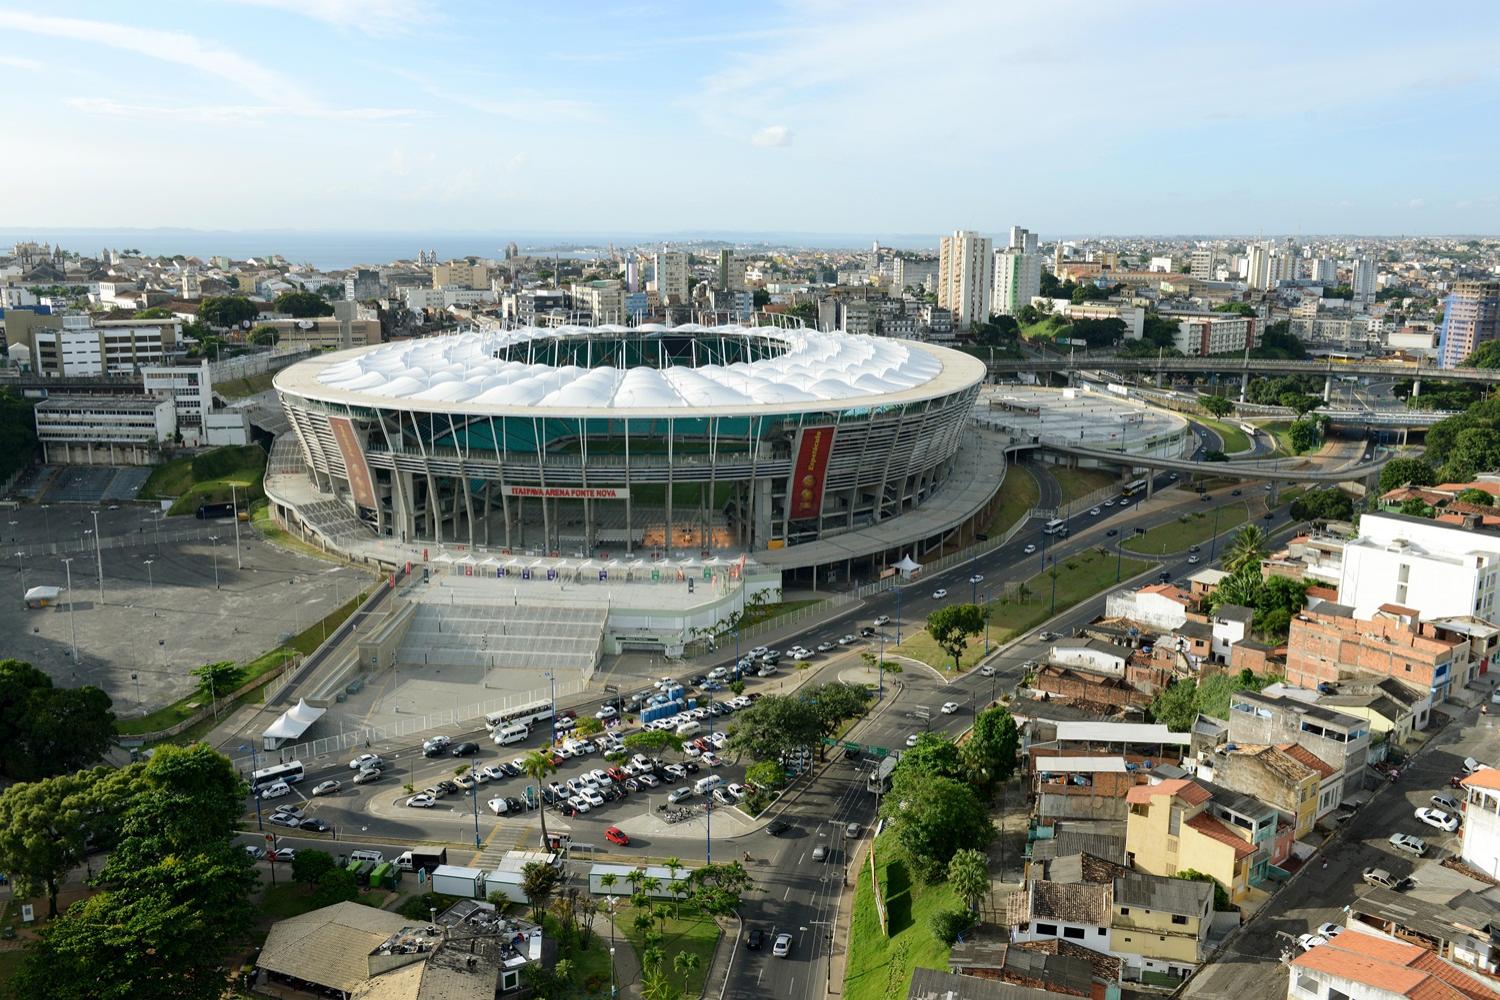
1018,278
1437,569
191,391
964,277
1220,333
1364,280
103,430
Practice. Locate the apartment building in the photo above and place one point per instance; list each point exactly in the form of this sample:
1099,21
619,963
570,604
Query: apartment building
103,430
964,281
1201,265
1220,333
1328,644
1017,280
469,274
1159,925
1338,740
1436,568
1481,829
80,345
603,300
913,272
191,390
1364,966
671,270
1271,774
1471,316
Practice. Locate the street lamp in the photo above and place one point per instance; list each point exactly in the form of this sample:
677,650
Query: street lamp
986,623
137,678
254,793
1054,587
72,620
151,586
235,505
1213,545
21,557
98,556
215,540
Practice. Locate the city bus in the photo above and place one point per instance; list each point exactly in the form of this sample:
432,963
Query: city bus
290,772
1131,489
1056,526
879,780
521,715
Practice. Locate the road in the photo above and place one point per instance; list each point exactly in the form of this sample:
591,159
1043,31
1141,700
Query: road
1251,967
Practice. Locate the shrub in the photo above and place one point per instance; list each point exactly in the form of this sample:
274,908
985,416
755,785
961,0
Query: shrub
947,925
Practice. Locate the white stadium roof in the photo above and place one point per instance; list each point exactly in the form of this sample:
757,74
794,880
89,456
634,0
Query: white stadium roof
461,372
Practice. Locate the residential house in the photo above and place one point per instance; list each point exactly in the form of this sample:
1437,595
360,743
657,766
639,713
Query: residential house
934,984
1270,774
983,955
1170,829
1094,655
1076,911
1455,915
1328,644
1160,925
1081,786
1481,829
1160,605
1230,625
1259,658
1098,691
1394,710
1339,740
1205,582
1368,967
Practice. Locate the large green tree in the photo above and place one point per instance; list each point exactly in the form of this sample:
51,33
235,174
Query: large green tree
989,754
49,730
953,625
301,305
1217,406
45,825
225,311
1401,471
1486,355
1247,549
934,755
835,703
934,818
1331,504
774,725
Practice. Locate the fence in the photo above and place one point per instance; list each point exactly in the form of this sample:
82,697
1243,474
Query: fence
144,538
265,679
255,364
394,732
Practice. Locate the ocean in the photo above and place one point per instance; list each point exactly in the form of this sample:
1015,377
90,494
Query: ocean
334,250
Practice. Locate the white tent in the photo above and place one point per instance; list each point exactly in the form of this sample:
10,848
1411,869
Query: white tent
292,724
908,567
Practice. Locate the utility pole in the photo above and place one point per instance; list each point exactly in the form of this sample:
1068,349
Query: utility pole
235,503
68,566
98,557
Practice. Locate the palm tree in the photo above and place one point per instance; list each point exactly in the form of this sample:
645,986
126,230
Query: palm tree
1022,592
685,963
607,882
1249,549
634,878
537,766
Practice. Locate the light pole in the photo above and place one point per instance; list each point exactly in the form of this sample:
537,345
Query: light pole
46,523
986,623
21,557
72,621
552,683
98,556
215,540
880,670
254,792
474,792
1054,588
613,990
898,608
151,586
137,678
235,503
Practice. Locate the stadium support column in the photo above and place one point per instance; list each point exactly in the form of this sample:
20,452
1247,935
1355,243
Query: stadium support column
629,501
1244,385
1416,388
671,460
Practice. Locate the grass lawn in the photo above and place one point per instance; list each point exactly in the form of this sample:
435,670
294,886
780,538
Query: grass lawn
756,614
880,967
1077,483
1018,494
239,469
692,931
1281,431
303,642
1190,529
239,388
1079,577
292,899
1235,440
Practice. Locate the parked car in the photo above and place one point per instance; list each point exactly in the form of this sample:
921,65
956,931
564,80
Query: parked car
1446,802
329,787
606,713
1447,822
679,794
422,800
1471,765
255,851
845,640
1309,941
282,855
1329,930
285,819
1408,843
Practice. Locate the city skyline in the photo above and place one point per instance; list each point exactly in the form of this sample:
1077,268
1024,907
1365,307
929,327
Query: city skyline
409,116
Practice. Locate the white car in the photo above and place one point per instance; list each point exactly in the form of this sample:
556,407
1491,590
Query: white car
1029,549
1471,765
760,651
735,789
497,805
592,797
940,593
679,794
911,740
1094,512
329,787
1309,941
1192,560
711,759
606,713
782,947
276,790
490,772
949,707
580,803
766,670
1408,843
365,761
977,578
882,620
421,801
1329,930
649,780
1436,817
825,646
986,671
1110,502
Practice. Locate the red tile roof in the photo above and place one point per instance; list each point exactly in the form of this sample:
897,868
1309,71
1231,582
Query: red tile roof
1215,830
1188,791
1394,966
1307,757
1485,777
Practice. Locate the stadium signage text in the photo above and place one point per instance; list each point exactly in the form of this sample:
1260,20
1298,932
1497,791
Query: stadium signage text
813,447
569,492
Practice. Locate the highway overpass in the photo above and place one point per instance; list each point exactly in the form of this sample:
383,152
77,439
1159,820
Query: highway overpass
1246,367
1261,470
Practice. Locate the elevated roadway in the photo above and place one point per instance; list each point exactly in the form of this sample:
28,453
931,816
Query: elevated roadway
1248,367
1265,470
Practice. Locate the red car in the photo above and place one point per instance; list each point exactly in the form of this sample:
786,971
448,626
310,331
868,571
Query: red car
617,836
616,774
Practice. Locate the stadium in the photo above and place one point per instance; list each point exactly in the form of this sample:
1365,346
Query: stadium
597,440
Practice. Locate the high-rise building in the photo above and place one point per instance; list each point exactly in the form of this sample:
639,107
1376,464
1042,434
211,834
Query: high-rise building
1258,274
671,270
731,272
1471,317
1201,265
461,274
964,277
1364,280
1323,270
1023,239
1018,277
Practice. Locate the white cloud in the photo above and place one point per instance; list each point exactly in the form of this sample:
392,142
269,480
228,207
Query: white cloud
772,135
246,114
1417,203
522,106
373,17
18,62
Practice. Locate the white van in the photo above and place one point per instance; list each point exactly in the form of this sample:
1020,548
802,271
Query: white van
374,856
507,735
691,728
704,786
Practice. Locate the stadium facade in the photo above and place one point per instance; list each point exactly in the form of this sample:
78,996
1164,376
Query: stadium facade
617,439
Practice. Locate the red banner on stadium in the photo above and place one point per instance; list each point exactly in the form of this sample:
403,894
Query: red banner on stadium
814,444
354,461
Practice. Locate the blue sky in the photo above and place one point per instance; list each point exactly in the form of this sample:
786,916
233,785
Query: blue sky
870,117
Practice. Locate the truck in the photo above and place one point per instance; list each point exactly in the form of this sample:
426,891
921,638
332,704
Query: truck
453,880
426,859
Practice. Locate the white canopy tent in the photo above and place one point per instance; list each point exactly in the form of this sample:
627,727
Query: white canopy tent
292,724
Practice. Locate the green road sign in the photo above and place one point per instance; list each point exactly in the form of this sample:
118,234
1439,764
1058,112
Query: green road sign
852,746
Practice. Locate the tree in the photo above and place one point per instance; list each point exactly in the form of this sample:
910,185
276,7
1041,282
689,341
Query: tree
49,730
835,703
1331,504
953,625
774,725
1305,434
1406,471
218,679
1217,406
1299,403
969,875
44,826
309,865
336,885
1176,706
153,312
264,335
685,963
1238,308
718,889
1416,507
225,311
765,774
589,726
933,819
653,741
539,881
1486,355
301,305
934,755
1247,549
1475,496
537,766
946,925
760,298
990,752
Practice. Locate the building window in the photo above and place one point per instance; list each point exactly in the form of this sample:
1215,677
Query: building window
1101,932
1179,919
1050,930
1334,994
1124,911
1075,933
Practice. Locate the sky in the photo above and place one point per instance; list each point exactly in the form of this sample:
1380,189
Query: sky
1088,118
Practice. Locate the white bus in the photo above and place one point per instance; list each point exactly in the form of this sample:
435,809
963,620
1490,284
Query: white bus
523,715
1131,489
1056,526
290,772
